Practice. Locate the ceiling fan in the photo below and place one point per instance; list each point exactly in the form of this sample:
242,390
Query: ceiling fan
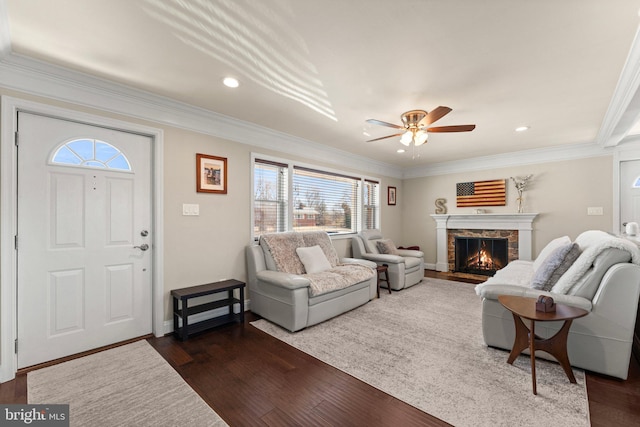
416,124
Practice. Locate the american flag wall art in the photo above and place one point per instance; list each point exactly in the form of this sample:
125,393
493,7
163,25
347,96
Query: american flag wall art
481,193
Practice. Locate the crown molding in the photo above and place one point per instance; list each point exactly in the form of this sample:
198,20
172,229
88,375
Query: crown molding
42,79
624,109
38,78
517,158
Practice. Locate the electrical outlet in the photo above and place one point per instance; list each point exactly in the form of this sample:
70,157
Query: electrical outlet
190,210
595,210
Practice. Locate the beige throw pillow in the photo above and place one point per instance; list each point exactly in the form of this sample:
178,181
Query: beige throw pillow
386,246
313,259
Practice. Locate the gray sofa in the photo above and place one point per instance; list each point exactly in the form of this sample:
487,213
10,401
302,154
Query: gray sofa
405,268
282,291
604,280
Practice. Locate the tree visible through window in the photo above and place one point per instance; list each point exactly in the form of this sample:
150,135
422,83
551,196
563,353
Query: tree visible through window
296,198
91,153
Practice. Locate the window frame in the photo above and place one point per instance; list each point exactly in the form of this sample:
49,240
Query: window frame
291,165
86,163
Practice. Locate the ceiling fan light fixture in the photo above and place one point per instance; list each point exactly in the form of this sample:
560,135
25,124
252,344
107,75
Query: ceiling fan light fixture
406,138
420,138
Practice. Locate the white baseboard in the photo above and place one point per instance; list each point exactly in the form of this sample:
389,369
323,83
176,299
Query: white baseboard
429,266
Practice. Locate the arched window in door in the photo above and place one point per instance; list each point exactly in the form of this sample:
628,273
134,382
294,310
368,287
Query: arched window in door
91,153
636,183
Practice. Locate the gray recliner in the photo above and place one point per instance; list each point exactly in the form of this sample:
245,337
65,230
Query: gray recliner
405,269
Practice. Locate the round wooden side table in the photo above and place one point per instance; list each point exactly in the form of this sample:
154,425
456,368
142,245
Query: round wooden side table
525,308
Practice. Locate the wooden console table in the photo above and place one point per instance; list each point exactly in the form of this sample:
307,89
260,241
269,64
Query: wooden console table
525,308
183,310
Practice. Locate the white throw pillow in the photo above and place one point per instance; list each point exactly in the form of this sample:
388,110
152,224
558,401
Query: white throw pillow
548,250
555,266
313,259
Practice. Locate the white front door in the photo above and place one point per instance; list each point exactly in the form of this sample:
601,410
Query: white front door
629,193
84,243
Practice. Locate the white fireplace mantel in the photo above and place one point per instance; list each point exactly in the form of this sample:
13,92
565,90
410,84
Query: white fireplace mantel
523,222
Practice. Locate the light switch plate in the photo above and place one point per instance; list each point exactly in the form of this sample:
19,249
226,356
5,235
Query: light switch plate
595,210
190,209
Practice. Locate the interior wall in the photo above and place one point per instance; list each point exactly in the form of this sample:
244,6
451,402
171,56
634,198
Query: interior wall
211,246
559,192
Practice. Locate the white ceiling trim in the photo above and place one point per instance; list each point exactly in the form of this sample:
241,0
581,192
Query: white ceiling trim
517,158
42,79
624,108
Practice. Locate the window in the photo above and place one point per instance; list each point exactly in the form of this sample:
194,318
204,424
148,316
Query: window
636,183
270,197
300,198
90,153
371,204
324,201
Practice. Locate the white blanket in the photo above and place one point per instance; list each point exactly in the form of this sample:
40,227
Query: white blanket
592,243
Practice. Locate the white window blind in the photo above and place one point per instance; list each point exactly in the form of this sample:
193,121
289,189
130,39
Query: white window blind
270,197
294,197
371,205
325,201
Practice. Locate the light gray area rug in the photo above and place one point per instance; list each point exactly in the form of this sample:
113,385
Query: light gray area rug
424,346
131,385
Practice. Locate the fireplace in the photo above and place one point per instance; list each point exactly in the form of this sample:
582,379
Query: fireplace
517,228
480,255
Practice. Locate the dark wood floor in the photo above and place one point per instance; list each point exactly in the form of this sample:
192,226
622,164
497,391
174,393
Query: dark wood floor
252,379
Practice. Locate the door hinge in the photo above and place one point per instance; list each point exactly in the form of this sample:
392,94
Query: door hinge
15,242
16,138
15,345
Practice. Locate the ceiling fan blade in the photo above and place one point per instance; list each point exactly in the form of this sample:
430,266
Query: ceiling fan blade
381,123
458,128
434,115
385,137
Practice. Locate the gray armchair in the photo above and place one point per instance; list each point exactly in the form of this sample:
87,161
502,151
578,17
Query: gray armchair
405,268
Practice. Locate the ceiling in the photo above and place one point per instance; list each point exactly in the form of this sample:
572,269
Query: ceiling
317,70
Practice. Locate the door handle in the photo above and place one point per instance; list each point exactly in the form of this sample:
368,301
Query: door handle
142,247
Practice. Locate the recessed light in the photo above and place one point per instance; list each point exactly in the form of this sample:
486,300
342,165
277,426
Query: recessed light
230,82
400,150
522,128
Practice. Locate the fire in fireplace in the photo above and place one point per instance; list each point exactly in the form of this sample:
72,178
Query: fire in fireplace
480,255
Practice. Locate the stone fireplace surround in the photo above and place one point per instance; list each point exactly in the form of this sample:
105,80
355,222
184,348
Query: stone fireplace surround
521,224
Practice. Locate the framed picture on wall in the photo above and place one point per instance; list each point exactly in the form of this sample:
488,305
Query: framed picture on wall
391,195
211,174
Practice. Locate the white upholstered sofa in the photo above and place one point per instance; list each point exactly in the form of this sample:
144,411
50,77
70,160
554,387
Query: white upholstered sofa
296,279
604,280
405,267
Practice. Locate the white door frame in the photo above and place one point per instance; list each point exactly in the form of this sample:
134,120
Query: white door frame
623,152
8,217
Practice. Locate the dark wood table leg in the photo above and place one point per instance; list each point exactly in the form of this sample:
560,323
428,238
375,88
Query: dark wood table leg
386,276
241,304
521,341
532,352
557,347
176,325
185,320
